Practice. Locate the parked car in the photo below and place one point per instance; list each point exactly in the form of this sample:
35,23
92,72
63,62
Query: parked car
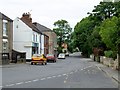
61,56
66,54
39,59
51,57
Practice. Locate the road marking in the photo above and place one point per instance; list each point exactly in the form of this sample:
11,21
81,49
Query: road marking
71,72
49,77
53,76
43,79
9,85
81,69
65,81
64,74
59,75
19,83
35,80
66,77
28,81
75,71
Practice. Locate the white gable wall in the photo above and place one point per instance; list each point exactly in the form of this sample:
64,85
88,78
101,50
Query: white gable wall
22,37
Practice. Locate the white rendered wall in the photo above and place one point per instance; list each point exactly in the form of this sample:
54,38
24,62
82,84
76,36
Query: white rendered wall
22,37
42,44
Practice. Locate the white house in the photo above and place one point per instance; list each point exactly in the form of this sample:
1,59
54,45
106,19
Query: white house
26,37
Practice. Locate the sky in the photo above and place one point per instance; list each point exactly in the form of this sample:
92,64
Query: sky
46,12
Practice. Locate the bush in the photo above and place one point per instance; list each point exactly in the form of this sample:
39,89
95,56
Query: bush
108,54
111,54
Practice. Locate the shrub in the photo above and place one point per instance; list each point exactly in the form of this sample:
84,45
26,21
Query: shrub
108,54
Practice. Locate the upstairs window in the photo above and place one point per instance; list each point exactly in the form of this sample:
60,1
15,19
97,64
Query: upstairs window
36,38
5,28
33,37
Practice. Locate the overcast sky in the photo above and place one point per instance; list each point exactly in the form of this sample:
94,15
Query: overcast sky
46,12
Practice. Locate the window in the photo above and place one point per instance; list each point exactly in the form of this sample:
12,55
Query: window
33,37
5,29
5,43
16,26
36,38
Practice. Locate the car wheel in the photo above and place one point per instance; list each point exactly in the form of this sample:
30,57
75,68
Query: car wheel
42,63
31,63
46,63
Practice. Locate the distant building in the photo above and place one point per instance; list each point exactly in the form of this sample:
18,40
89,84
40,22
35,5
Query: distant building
52,37
6,38
65,48
27,37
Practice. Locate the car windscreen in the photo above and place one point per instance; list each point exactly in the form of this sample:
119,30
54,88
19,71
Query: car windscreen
50,55
37,55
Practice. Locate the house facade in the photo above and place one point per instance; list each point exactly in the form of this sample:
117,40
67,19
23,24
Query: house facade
27,38
6,38
52,37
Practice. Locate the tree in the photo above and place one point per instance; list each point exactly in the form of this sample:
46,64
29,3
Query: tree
83,30
63,31
110,33
103,11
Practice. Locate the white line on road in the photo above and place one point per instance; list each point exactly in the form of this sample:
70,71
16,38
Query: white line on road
59,75
28,81
71,73
64,74
65,81
76,70
49,77
66,77
9,85
35,80
19,83
81,69
53,76
43,79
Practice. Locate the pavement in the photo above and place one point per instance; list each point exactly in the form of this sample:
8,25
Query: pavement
109,71
11,65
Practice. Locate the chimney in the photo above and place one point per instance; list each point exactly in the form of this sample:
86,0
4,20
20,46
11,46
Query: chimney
26,17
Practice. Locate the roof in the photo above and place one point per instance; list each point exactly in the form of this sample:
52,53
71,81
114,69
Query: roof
4,17
32,26
42,28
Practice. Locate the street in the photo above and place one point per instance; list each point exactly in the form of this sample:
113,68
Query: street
72,72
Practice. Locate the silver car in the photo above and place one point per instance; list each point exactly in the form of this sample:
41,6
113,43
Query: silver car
61,56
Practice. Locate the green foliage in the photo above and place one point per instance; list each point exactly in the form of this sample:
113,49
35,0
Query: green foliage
63,31
59,49
111,54
101,29
82,32
108,54
108,32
